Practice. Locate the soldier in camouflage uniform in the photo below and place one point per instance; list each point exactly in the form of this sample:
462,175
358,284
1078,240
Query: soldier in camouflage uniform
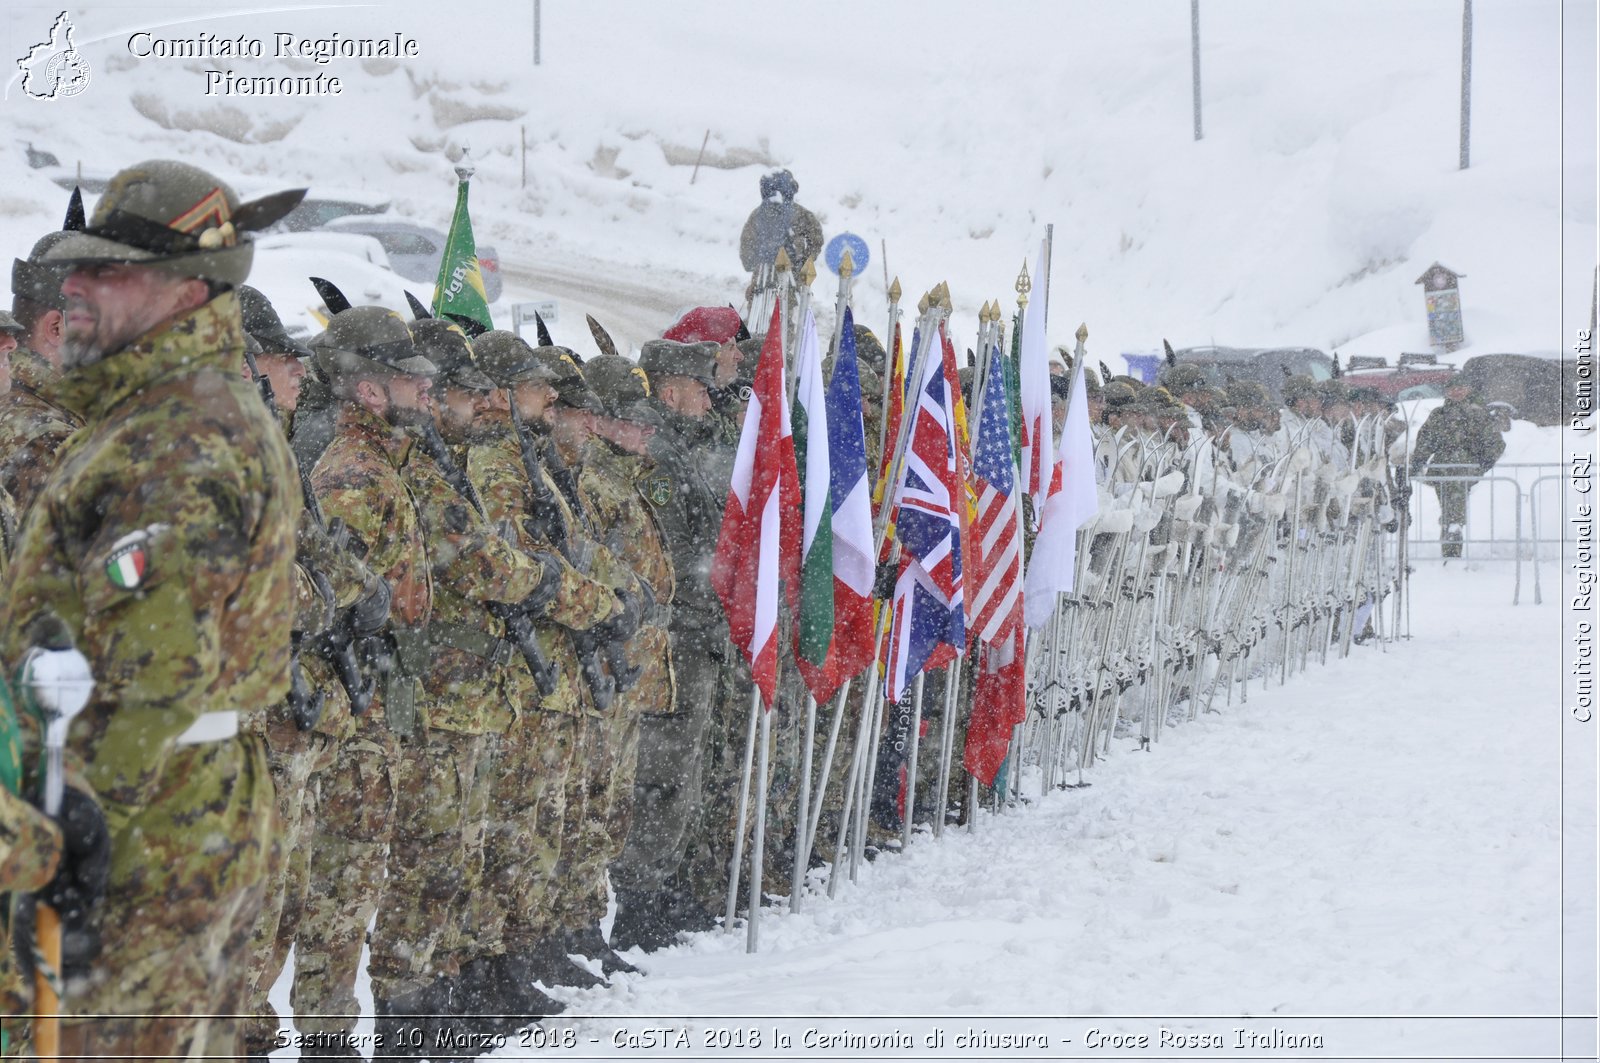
163,543
513,918
1463,434
668,788
367,354
32,425
303,733
613,483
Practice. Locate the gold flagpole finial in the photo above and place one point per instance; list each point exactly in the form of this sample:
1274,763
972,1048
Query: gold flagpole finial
808,272
847,264
894,291
1024,285
782,263
922,304
1083,333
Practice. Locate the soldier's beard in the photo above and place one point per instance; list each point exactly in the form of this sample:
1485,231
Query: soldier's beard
406,417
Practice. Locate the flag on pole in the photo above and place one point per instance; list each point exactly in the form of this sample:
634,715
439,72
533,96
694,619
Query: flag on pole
1053,564
997,599
999,687
1033,387
999,703
814,622
459,291
759,545
853,567
894,400
928,628
967,510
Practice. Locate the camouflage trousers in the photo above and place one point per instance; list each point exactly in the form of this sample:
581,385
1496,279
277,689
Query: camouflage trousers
346,855
1452,511
598,830
292,772
519,802
433,848
176,923
668,782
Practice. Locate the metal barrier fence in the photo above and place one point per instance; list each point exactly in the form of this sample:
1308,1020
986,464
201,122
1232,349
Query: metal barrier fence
1513,513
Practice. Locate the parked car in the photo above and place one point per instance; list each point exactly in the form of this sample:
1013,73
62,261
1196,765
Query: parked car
323,205
1540,388
356,264
1264,365
1413,372
415,250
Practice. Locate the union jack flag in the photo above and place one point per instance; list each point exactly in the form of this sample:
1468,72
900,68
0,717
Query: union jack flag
928,628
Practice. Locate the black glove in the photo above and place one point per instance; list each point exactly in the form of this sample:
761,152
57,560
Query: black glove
371,611
81,879
621,628
536,603
883,580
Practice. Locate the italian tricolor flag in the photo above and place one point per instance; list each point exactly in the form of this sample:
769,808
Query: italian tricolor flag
814,621
126,564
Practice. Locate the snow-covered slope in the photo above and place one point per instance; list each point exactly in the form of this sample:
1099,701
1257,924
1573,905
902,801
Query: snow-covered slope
949,132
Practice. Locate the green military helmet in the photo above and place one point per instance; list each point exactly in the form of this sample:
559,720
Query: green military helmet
33,279
1332,391
1243,393
176,217
1296,389
1157,399
365,340
567,377
1132,381
621,388
508,360
697,361
445,345
261,321
1118,395
1182,377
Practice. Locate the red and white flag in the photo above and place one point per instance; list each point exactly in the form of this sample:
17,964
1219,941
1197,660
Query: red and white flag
1033,389
759,545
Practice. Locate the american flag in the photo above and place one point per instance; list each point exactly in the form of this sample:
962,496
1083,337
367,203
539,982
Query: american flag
997,603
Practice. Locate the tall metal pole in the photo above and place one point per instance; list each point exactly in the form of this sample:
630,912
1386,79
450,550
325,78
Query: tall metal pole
1194,57
536,13
1466,79
757,844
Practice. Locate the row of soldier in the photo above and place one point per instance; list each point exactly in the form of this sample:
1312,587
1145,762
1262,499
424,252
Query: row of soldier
480,677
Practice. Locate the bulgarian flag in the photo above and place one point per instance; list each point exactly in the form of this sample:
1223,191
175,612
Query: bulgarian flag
759,544
814,621
459,290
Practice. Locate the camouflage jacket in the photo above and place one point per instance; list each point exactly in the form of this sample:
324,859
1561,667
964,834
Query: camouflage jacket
33,425
163,543
495,468
8,529
612,485
1458,433
688,509
473,567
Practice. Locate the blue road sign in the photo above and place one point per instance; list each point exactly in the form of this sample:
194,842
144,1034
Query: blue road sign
834,252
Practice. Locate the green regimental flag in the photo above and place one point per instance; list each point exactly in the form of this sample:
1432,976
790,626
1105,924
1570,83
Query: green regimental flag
459,289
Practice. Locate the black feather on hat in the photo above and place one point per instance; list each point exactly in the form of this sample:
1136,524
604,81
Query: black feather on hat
76,220
544,331
331,296
418,311
1172,357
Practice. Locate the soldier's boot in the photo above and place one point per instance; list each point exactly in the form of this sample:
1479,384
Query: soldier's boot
641,921
548,962
408,1024
499,999
591,943
686,913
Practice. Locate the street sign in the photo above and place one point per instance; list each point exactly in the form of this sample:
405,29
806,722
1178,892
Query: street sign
522,313
834,252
